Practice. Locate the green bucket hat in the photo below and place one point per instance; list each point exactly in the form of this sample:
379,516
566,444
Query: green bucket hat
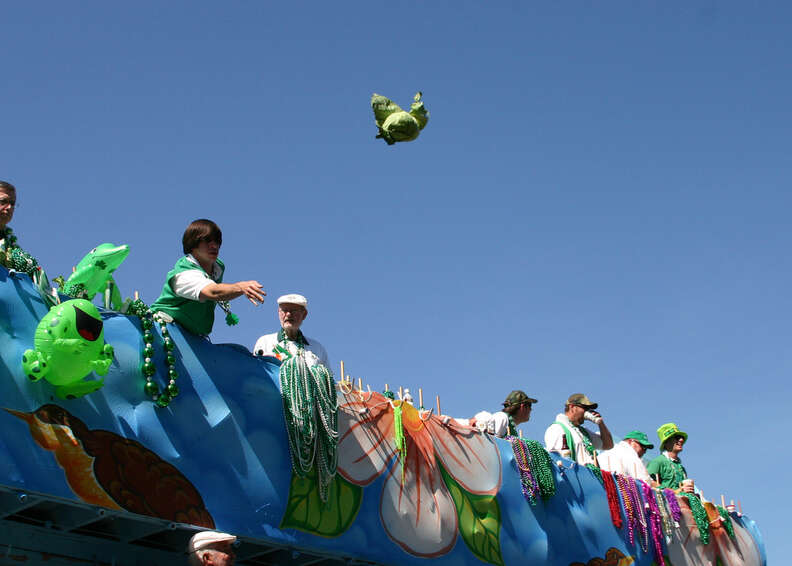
639,437
517,397
668,430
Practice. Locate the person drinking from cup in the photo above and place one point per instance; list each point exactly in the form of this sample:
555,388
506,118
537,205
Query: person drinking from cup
569,438
667,468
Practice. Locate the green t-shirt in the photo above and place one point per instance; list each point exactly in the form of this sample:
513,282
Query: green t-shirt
671,473
195,316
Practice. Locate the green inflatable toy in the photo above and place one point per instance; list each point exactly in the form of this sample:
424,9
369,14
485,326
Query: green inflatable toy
396,125
69,344
94,271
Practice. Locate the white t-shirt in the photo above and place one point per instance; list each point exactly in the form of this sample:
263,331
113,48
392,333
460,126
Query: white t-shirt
554,441
314,351
189,284
624,460
496,424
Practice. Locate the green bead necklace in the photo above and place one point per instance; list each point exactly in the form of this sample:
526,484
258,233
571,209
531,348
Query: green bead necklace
310,409
151,388
727,520
14,257
596,471
699,516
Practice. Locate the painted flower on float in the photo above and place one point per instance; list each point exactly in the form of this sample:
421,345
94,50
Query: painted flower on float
417,506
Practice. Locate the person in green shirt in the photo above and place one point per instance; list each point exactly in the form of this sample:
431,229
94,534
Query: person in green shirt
195,284
667,468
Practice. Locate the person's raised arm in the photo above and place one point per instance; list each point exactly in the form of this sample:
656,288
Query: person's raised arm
228,291
605,435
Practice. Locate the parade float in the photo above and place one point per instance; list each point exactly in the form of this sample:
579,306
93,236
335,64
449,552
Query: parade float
121,437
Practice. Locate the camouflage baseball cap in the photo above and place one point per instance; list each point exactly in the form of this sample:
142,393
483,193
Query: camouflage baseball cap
517,397
582,400
639,437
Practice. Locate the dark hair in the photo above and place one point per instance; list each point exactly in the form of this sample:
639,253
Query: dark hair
201,230
512,409
670,441
7,186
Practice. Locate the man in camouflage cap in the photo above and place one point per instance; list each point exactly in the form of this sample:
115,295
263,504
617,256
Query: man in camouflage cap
569,438
516,410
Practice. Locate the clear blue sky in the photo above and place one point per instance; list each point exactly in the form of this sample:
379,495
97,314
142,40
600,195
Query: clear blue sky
599,203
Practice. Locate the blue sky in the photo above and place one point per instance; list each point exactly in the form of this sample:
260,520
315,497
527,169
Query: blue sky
599,202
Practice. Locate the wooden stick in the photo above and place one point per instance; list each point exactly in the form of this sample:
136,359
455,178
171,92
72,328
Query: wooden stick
342,370
723,501
519,432
420,397
732,503
360,383
438,405
401,396
386,387
137,295
739,506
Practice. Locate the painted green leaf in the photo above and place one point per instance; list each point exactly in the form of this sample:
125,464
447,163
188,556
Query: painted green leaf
479,521
306,512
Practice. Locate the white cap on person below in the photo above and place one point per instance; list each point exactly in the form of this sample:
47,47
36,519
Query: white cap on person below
293,299
204,539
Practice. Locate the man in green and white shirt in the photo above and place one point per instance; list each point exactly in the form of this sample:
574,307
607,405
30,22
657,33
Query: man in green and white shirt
568,437
667,468
289,341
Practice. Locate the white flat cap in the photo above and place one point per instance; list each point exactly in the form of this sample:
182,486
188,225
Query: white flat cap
293,299
207,538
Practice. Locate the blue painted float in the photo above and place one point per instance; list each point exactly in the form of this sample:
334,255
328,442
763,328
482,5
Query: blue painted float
146,477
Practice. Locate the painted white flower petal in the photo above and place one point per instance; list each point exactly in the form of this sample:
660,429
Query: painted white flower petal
418,514
471,457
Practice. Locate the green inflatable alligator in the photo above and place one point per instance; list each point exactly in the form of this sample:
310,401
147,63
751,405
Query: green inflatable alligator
94,271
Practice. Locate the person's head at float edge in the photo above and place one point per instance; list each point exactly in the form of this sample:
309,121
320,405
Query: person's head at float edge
209,548
7,203
203,239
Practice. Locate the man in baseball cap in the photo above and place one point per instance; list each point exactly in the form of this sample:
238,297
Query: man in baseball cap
516,410
211,548
569,438
625,457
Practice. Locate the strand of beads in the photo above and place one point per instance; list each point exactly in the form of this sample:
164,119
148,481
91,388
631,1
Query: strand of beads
655,523
673,505
529,486
542,468
161,398
727,520
309,398
613,498
641,516
621,483
665,515
699,516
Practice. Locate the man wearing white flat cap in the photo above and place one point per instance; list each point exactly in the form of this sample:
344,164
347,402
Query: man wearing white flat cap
289,340
211,548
